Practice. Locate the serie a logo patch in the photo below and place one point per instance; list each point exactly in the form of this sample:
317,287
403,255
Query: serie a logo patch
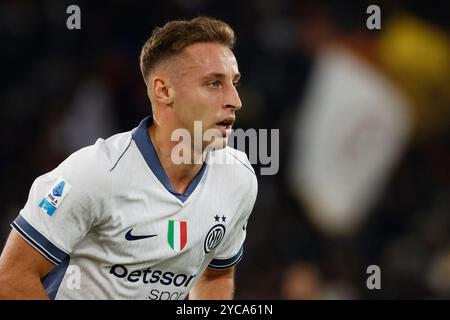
55,196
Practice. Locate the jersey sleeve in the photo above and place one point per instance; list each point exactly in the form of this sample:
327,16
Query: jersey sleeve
64,205
231,251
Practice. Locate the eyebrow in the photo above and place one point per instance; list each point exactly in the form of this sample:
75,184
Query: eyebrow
236,76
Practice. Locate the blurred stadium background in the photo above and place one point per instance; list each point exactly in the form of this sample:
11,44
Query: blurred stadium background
311,69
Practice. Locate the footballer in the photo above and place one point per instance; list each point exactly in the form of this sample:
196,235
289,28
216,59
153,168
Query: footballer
136,224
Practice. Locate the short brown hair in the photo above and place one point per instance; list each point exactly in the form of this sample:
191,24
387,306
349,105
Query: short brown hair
174,36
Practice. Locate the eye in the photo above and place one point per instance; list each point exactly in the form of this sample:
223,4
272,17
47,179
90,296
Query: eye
214,84
236,83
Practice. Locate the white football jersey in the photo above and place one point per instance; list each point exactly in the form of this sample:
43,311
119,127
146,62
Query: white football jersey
109,219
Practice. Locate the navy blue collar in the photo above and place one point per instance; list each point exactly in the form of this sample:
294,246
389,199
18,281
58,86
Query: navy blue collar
145,146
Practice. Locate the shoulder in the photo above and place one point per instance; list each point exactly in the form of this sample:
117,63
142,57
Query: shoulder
89,169
230,159
233,166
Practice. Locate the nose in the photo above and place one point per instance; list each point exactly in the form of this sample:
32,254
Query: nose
232,99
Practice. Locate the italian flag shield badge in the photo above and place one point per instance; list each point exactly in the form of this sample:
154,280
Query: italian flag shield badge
177,235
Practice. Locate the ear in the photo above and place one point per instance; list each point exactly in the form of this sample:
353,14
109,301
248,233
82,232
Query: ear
161,90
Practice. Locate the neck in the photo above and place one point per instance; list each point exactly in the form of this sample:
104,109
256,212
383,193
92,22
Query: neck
179,175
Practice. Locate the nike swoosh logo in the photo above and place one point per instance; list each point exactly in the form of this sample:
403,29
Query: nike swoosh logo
131,237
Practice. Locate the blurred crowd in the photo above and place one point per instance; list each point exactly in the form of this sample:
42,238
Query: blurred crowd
364,119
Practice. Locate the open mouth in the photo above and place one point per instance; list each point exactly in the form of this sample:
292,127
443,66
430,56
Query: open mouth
225,125
228,123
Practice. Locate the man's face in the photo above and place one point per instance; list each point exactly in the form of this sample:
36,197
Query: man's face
204,90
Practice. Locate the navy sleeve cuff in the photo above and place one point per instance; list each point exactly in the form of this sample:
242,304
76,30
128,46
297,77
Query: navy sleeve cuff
227,263
38,241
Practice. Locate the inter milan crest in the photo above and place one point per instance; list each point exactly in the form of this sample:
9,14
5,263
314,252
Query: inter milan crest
177,235
215,235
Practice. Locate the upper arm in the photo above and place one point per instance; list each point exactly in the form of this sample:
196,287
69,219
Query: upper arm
214,284
19,257
214,274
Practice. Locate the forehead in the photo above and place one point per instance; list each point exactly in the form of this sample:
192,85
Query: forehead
203,58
